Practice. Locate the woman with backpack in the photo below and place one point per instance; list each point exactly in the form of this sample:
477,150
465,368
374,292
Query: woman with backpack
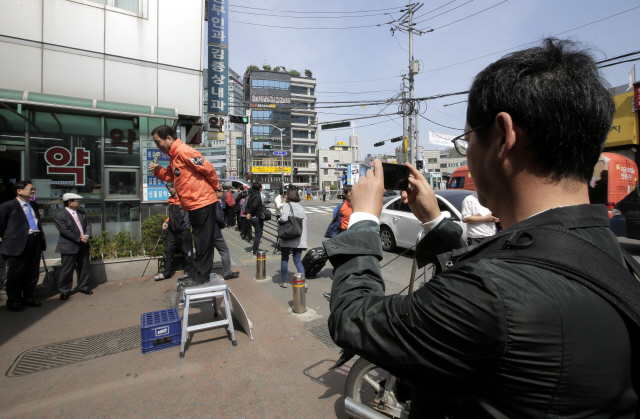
295,245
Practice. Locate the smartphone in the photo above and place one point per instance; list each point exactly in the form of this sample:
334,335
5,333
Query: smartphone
396,176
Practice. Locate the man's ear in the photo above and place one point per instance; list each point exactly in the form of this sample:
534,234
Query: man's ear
507,134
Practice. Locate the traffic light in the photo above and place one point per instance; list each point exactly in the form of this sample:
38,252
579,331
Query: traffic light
238,119
295,170
267,147
419,165
396,139
381,143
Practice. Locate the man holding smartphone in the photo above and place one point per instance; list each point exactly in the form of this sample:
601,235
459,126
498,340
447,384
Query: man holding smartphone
491,338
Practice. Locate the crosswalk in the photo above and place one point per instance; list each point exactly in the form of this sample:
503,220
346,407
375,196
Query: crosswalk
319,209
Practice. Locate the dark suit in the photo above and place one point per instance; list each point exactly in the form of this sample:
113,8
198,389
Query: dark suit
21,250
73,251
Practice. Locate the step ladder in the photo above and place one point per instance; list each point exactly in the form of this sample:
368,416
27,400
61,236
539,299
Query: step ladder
209,291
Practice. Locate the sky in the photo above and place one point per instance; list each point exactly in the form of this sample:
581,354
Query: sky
468,35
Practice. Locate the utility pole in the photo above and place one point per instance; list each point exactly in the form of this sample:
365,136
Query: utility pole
404,117
409,109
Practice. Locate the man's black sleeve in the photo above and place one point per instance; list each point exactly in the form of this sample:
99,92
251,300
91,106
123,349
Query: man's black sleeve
447,336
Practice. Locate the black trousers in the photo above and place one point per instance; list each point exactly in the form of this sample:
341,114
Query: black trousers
203,223
69,262
231,213
23,271
258,224
174,239
246,228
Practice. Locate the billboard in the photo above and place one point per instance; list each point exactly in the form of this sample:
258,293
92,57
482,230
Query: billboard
624,129
218,57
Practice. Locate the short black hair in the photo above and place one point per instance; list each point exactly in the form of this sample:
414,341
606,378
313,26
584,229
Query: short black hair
555,93
256,186
21,184
346,189
66,203
293,195
164,131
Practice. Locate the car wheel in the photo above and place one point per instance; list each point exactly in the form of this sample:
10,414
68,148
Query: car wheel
387,239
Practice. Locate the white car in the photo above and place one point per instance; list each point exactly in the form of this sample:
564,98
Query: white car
399,227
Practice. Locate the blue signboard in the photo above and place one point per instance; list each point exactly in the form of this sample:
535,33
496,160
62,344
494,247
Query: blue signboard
279,153
151,152
156,194
152,181
218,22
218,102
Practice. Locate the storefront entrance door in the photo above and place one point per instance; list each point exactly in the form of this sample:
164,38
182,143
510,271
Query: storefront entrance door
11,170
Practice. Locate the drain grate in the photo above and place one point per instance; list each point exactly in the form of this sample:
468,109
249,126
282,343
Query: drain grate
321,332
74,351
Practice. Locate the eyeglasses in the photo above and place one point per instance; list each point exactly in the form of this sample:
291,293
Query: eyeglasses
30,189
461,144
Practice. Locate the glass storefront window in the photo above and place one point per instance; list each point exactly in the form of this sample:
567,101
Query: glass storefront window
121,142
122,215
65,157
123,183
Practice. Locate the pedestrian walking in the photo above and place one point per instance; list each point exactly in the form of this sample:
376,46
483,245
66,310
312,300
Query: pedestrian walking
238,207
22,243
253,208
73,245
196,182
220,244
296,245
178,231
324,194
308,197
279,203
246,231
231,207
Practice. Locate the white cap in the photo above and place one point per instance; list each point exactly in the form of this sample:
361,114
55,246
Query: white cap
69,196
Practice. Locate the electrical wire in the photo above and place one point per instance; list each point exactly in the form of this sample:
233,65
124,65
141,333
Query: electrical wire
294,11
355,119
360,81
361,93
362,126
311,17
467,17
437,8
620,62
618,57
307,28
433,122
443,13
529,43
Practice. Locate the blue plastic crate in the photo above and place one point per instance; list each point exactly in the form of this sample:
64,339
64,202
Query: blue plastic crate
160,330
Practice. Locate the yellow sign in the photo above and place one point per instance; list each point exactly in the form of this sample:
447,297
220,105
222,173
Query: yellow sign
624,130
269,169
406,144
213,135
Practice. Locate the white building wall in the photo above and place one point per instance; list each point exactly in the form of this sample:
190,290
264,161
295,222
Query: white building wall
83,49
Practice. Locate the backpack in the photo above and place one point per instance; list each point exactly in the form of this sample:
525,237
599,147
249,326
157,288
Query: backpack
560,250
334,226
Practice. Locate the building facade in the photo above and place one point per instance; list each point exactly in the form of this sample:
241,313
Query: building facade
283,119
88,81
333,163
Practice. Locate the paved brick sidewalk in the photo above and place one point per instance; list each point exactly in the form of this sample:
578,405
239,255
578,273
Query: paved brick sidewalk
282,373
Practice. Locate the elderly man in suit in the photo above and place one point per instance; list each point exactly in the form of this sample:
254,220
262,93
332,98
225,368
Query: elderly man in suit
23,242
73,245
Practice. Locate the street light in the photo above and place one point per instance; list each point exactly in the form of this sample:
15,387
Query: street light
281,149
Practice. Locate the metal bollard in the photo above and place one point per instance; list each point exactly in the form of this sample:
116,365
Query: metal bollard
261,268
299,294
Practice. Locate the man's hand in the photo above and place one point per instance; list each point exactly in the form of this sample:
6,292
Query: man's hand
165,226
493,219
84,239
248,216
153,167
420,197
366,195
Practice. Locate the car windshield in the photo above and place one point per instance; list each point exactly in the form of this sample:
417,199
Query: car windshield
456,200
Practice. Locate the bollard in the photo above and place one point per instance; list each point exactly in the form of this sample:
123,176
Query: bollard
299,294
261,262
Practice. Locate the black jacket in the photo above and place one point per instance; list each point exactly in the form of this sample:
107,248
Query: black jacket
178,218
69,241
254,201
493,339
14,228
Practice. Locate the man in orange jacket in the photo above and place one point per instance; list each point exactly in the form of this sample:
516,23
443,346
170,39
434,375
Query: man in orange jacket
196,181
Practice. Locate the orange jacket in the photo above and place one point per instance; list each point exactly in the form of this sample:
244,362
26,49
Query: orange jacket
194,176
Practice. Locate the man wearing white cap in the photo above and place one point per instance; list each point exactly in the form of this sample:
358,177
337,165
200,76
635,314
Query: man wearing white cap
73,245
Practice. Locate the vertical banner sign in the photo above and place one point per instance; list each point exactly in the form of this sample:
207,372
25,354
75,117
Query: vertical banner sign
218,53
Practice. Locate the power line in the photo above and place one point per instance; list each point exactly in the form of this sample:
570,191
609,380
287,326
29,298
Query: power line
437,8
620,62
355,119
360,81
477,13
294,11
529,43
361,93
312,17
433,122
307,28
445,12
618,57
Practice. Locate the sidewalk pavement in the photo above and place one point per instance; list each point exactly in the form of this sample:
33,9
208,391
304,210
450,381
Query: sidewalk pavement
282,373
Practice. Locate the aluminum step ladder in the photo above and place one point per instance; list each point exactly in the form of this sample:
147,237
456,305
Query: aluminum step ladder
216,287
